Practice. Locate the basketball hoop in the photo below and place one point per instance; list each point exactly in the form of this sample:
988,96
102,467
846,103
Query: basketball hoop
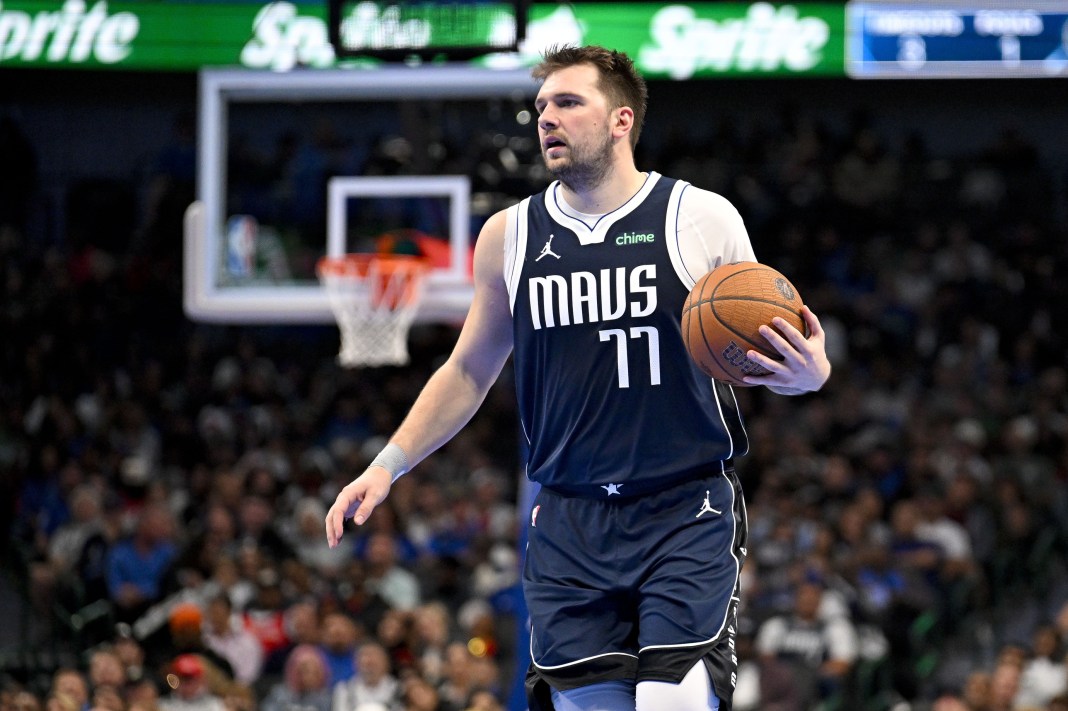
374,298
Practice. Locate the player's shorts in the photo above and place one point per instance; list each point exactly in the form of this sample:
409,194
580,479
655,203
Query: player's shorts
638,587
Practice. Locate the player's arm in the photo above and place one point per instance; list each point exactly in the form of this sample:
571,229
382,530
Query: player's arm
453,393
711,232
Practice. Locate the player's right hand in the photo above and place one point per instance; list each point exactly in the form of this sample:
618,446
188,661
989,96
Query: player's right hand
357,501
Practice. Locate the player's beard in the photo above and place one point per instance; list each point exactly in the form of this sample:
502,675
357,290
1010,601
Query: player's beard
585,168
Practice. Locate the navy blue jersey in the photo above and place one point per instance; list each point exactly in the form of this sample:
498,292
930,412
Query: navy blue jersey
609,399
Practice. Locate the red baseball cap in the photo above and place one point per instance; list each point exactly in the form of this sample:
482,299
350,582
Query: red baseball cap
188,665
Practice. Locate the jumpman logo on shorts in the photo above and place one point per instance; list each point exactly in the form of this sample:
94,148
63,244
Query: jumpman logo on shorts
547,250
707,507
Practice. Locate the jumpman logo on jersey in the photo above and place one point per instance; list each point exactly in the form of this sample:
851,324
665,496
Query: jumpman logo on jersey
612,489
707,507
547,250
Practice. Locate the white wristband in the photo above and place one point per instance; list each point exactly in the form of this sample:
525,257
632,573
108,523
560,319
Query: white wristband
393,459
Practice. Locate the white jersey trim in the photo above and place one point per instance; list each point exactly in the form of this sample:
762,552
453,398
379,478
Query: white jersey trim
534,661
671,235
570,218
515,248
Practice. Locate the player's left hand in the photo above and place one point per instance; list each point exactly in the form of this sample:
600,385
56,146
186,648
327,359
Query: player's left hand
804,366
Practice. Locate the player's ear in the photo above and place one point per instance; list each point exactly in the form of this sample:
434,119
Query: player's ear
622,121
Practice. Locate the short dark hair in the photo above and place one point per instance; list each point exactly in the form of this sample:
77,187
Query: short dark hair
619,80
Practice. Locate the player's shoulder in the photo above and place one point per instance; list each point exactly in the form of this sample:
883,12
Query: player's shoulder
497,221
499,229
702,201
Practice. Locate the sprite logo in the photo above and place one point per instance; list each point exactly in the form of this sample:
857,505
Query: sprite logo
74,33
284,39
766,39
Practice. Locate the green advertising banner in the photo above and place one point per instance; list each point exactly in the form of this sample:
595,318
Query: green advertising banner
676,41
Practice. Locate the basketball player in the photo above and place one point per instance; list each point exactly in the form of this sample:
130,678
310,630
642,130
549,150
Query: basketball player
638,533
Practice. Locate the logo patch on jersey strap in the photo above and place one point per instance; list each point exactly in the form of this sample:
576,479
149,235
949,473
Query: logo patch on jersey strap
635,238
783,287
612,489
534,516
547,250
707,507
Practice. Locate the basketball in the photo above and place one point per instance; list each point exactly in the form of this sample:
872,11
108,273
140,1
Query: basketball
723,312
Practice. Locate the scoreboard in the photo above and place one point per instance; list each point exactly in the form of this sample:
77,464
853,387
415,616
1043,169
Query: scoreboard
923,40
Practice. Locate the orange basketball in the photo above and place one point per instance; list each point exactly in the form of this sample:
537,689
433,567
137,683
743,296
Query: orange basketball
723,312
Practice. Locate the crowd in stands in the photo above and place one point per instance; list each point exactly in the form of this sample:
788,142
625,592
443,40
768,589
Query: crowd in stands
166,481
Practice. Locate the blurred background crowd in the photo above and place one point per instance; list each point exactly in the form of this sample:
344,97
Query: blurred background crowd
165,481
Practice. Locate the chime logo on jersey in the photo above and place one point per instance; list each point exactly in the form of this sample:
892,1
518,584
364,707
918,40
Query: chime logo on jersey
635,238
592,297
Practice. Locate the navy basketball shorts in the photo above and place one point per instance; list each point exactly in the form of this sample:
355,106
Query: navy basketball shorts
636,588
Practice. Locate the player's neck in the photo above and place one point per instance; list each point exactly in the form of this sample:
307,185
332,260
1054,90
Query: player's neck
619,186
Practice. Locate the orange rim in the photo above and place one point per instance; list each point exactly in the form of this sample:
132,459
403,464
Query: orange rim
394,278
360,265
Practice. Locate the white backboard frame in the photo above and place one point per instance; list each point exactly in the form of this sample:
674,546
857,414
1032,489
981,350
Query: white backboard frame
448,292
455,187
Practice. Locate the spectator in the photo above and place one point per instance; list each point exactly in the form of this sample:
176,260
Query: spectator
394,631
60,702
106,669
460,678
186,625
69,541
22,700
950,702
484,700
108,698
1045,673
339,641
300,625
265,616
226,636
257,529
432,636
190,687
819,652
306,538
1004,686
306,684
420,695
372,683
214,541
130,654
143,695
137,566
73,685
398,587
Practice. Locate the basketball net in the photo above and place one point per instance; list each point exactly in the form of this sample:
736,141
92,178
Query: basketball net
374,298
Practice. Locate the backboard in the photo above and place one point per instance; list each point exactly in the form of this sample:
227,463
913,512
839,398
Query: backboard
300,165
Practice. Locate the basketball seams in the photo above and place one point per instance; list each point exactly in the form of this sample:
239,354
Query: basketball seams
712,352
733,301
764,347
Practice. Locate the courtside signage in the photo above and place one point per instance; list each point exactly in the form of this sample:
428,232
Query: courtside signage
668,40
